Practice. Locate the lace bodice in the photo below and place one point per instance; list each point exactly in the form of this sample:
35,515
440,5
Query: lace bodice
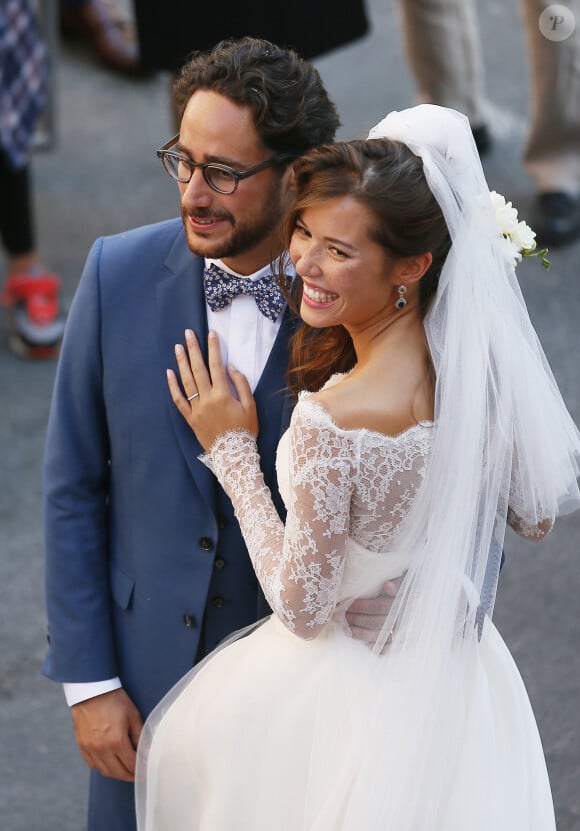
339,486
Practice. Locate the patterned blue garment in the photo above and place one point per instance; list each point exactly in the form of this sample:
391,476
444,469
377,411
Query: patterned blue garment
23,78
221,288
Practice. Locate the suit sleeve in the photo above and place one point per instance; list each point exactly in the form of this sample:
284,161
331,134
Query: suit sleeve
76,491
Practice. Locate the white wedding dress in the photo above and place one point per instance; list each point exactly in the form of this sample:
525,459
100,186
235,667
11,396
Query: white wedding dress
292,726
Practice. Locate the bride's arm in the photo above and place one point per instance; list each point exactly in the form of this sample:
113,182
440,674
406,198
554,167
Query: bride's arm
299,565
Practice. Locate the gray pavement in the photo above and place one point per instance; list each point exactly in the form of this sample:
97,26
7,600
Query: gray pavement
102,177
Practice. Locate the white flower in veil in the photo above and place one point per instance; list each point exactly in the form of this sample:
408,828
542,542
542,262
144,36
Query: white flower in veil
520,238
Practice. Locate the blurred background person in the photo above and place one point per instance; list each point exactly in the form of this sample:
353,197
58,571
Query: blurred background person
100,25
444,52
161,36
31,293
169,32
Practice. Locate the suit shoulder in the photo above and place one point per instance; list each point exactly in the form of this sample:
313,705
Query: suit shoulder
140,255
159,234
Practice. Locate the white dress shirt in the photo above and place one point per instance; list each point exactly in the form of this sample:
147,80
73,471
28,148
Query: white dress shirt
246,340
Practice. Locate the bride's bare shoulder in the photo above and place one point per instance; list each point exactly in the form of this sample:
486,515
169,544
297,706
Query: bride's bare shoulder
354,405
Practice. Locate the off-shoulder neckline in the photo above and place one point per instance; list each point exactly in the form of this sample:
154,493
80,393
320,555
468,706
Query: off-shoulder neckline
306,397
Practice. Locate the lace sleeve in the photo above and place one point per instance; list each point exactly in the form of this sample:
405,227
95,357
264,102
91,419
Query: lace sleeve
300,564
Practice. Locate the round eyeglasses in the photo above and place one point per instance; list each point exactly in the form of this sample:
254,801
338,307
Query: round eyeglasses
220,177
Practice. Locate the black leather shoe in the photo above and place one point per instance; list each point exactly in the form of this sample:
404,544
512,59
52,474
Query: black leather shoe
483,140
556,218
97,23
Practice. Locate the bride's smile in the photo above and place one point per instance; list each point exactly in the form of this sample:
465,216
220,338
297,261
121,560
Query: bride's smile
317,297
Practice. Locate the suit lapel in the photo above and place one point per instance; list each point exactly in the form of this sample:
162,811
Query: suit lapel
181,305
273,400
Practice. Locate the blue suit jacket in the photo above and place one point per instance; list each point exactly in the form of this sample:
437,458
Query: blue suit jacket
145,564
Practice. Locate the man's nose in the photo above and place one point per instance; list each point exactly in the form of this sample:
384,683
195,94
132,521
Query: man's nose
196,192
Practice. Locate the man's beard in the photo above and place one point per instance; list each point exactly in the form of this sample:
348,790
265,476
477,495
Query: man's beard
245,234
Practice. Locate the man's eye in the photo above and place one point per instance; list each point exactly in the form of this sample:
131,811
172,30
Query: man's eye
182,165
221,173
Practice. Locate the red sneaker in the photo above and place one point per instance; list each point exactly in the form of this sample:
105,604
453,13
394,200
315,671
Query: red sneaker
35,320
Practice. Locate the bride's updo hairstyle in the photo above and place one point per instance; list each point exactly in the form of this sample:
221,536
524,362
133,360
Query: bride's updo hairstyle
388,180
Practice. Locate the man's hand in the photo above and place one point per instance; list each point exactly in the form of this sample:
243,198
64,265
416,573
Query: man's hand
366,616
107,728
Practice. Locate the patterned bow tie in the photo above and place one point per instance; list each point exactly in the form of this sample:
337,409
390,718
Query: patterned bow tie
221,288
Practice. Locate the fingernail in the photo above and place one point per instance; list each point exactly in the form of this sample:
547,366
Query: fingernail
188,334
178,349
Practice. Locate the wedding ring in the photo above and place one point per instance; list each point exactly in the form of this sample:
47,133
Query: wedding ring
191,397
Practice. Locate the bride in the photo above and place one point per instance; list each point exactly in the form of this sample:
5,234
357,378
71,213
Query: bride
427,418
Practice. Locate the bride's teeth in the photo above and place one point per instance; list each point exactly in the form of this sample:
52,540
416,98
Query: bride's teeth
319,296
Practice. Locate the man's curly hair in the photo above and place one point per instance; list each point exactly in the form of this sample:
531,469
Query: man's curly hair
292,110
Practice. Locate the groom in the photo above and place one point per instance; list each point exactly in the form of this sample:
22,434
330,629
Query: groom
146,569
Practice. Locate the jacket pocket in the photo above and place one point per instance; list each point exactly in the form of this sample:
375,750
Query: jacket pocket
122,586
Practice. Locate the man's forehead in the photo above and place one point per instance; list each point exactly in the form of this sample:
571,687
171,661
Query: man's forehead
212,121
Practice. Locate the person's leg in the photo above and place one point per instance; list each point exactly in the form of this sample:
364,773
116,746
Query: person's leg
35,321
16,220
552,154
443,49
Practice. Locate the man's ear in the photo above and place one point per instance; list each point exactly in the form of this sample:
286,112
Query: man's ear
409,270
289,179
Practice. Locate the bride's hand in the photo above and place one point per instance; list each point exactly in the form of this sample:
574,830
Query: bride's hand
208,406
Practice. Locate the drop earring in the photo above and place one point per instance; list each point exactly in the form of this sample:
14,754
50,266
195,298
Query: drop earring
402,300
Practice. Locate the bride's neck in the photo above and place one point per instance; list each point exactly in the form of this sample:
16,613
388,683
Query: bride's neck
401,338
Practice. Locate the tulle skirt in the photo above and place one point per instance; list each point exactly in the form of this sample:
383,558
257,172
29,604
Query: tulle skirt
273,733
